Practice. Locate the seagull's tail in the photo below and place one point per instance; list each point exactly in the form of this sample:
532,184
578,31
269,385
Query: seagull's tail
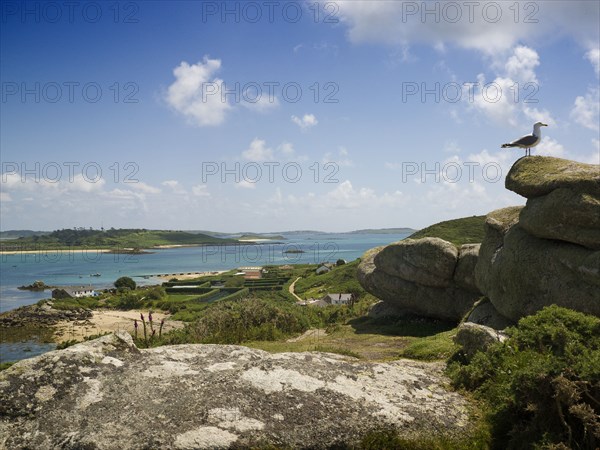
507,145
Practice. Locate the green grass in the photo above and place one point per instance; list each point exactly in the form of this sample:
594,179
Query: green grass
6,365
368,339
435,347
468,230
341,279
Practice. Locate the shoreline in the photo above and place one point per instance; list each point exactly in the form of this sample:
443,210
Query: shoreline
182,276
108,320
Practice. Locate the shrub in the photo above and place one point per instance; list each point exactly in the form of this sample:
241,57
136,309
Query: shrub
156,293
125,283
542,385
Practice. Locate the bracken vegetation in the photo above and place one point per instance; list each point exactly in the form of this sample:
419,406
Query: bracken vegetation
542,385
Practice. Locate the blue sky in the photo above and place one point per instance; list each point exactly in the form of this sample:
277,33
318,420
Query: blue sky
119,119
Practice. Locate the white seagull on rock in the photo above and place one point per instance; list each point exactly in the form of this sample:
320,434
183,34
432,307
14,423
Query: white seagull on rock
529,141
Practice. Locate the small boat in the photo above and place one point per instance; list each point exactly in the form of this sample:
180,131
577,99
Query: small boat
95,275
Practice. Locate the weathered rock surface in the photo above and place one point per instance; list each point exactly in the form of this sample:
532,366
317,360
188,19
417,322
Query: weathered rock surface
535,176
521,273
107,394
40,316
476,338
484,313
563,199
427,277
565,215
464,273
427,261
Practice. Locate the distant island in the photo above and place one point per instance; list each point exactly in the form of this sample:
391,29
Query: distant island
115,240
134,240
16,234
260,237
383,231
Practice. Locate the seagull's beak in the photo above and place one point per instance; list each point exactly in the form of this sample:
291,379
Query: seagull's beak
544,124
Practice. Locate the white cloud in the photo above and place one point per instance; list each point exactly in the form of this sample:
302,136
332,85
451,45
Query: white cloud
260,102
342,158
473,27
549,147
245,184
344,196
175,186
196,93
521,65
200,190
144,188
258,151
80,184
506,100
594,58
307,121
586,111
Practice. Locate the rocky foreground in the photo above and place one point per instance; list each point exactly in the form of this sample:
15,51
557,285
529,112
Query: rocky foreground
107,394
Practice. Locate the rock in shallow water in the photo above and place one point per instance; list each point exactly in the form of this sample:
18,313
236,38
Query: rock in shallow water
107,394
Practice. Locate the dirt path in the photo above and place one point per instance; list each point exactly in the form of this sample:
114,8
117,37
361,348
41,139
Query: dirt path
291,289
314,333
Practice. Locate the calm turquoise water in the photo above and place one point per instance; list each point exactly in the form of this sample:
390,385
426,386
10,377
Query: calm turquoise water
75,268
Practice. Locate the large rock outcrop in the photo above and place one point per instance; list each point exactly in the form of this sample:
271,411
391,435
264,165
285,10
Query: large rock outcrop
563,199
107,394
429,277
546,252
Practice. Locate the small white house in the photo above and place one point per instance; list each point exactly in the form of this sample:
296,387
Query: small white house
338,299
322,269
74,292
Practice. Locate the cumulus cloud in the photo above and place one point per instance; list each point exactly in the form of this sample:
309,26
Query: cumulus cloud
144,188
174,186
586,110
344,196
245,184
593,57
489,26
549,147
259,101
341,157
506,100
258,151
521,65
196,93
306,121
200,190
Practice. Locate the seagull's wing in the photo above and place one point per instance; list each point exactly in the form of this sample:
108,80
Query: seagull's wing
525,141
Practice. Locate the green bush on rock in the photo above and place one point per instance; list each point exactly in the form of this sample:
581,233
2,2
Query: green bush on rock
542,385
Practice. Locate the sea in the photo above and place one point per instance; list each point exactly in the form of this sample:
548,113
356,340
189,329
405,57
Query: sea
100,270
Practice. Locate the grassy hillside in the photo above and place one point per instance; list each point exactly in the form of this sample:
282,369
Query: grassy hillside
341,279
112,238
468,230
16,234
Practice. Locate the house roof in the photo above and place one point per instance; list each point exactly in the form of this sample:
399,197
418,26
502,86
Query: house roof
344,297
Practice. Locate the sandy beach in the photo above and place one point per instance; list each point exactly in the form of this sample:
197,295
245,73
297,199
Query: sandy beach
186,275
103,321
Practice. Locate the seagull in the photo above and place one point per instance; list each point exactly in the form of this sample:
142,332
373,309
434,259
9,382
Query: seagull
529,141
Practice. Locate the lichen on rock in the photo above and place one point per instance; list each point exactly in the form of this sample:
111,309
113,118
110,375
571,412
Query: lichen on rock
217,396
